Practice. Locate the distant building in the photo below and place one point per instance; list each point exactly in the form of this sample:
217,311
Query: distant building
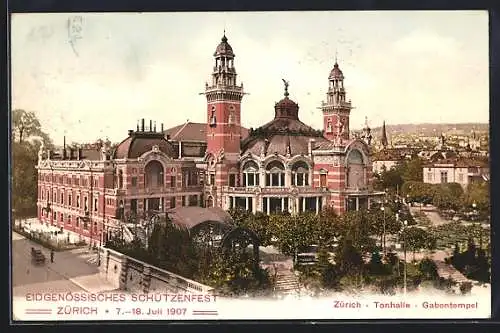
462,171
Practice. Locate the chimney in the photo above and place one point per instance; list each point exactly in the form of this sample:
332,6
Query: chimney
142,123
162,127
168,136
137,125
150,125
79,153
154,127
130,132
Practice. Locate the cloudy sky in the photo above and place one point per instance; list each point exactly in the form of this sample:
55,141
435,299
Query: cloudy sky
401,67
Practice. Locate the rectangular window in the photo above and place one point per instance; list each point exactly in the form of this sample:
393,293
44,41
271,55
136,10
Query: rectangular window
96,200
77,201
172,202
275,178
250,179
444,177
62,198
134,182
300,179
232,180
172,181
68,219
193,200
212,179
184,201
69,200
322,180
133,206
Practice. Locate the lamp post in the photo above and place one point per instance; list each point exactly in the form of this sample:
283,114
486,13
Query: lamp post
405,223
383,230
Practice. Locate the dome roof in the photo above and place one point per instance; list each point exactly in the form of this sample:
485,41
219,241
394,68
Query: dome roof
283,135
286,108
224,49
139,143
336,73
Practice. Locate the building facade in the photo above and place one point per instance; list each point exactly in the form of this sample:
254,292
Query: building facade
284,165
461,171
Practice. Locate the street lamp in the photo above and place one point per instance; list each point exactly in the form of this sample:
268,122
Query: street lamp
383,231
405,223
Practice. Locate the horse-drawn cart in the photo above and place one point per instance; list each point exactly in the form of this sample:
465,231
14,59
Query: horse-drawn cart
37,257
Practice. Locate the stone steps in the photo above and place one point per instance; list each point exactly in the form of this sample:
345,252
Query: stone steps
286,282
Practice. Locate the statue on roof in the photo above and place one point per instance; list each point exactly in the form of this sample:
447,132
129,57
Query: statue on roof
286,83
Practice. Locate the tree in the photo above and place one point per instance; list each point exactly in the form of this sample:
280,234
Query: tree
413,170
24,179
448,196
478,193
24,125
416,238
329,227
294,233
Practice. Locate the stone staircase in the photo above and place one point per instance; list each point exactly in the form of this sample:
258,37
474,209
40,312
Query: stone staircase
286,282
449,272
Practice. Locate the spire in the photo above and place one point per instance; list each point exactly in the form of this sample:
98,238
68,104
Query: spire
384,136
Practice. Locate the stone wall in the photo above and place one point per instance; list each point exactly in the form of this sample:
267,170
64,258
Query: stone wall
127,273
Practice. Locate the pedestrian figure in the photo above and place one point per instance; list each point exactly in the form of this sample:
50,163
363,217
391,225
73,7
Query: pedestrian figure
52,256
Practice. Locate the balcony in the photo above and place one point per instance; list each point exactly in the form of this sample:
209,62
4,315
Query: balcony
274,190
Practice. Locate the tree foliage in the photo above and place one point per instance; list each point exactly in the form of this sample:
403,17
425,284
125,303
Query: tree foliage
417,238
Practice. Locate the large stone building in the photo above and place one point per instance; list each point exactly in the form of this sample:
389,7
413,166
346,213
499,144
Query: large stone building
284,165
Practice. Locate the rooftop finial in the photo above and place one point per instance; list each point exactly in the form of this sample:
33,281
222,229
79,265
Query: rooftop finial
286,83
336,55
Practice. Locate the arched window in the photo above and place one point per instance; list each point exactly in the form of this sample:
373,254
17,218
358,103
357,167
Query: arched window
250,174
275,174
300,174
355,157
153,173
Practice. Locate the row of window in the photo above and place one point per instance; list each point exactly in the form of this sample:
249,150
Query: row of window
158,204
70,180
275,179
60,198
152,180
444,177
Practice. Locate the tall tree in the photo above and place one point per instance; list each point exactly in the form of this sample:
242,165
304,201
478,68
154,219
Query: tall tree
25,126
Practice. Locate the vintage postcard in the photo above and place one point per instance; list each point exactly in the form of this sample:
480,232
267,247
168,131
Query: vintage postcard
250,165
